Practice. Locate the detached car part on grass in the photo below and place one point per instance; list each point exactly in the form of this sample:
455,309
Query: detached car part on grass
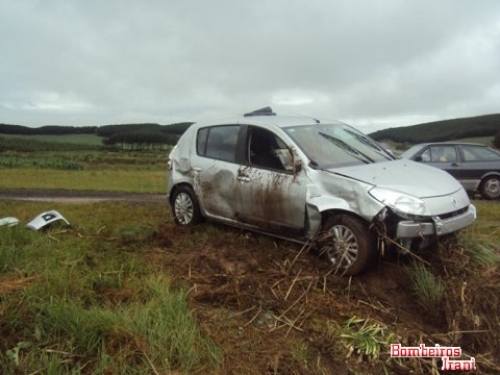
45,219
9,221
42,220
308,180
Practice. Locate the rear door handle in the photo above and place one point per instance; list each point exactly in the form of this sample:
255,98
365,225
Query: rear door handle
455,165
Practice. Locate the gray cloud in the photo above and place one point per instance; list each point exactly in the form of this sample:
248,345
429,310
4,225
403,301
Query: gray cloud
373,64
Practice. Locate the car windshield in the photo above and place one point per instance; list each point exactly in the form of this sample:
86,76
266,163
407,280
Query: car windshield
336,145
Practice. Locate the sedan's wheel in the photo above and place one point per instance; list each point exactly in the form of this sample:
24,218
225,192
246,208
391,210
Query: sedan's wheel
185,207
490,188
347,244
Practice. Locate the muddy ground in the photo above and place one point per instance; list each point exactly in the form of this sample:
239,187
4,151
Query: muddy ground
274,307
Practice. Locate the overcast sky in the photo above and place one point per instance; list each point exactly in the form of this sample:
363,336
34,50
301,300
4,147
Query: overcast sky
373,64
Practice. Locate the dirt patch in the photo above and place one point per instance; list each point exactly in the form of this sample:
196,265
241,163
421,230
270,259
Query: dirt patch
275,309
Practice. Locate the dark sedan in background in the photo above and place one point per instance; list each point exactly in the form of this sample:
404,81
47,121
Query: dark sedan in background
475,166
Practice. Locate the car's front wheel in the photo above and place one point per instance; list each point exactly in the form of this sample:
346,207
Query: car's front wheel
347,243
185,207
490,188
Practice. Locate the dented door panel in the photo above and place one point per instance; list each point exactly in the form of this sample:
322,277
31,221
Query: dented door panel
216,186
271,199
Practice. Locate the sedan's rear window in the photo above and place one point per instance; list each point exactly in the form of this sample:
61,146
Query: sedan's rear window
475,153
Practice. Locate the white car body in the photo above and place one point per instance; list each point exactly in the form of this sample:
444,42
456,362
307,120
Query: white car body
415,203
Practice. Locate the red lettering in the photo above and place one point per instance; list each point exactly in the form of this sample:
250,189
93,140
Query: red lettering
395,350
413,352
458,365
445,365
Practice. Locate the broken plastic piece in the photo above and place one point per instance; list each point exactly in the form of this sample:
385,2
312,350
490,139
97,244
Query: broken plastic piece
9,221
46,218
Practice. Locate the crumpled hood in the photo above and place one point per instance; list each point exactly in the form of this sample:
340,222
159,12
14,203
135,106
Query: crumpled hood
405,176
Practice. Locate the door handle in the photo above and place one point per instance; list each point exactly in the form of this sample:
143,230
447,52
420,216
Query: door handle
454,165
244,178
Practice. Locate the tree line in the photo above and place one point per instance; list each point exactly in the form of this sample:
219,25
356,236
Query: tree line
124,136
46,130
439,131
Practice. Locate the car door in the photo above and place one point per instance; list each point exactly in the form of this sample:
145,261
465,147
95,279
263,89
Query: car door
215,165
443,157
271,191
478,161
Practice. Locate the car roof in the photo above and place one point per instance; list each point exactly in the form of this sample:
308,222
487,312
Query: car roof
449,143
278,121
266,117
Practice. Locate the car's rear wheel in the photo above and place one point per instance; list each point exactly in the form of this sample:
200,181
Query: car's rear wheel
490,188
347,244
185,207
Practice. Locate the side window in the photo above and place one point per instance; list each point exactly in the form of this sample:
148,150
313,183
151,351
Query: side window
473,153
267,150
218,142
201,141
443,154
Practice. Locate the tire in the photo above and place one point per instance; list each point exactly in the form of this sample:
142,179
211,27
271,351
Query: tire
347,243
185,207
490,188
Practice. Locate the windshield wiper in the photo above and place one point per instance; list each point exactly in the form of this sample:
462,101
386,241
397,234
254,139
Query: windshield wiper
347,148
369,143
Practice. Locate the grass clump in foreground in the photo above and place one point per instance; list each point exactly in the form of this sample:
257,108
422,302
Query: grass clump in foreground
460,287
79,301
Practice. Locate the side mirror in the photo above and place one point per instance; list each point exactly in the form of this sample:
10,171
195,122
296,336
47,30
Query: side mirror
418,158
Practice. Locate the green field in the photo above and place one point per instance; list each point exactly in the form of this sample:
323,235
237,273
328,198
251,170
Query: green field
89,139
143,172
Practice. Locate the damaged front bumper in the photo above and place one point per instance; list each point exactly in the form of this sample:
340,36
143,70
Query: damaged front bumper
437,226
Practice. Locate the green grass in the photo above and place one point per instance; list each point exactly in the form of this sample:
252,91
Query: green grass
428,288
82,300
141,172
111,180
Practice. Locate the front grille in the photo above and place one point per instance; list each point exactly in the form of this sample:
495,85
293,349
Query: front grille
454,213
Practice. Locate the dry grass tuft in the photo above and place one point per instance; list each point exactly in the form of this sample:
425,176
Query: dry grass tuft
10,285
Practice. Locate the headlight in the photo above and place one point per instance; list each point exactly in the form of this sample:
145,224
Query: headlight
400,202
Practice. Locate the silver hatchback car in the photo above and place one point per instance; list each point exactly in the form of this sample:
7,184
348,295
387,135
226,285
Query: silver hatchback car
303,179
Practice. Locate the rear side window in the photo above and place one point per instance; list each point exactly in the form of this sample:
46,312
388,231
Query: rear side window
473,153
218,142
